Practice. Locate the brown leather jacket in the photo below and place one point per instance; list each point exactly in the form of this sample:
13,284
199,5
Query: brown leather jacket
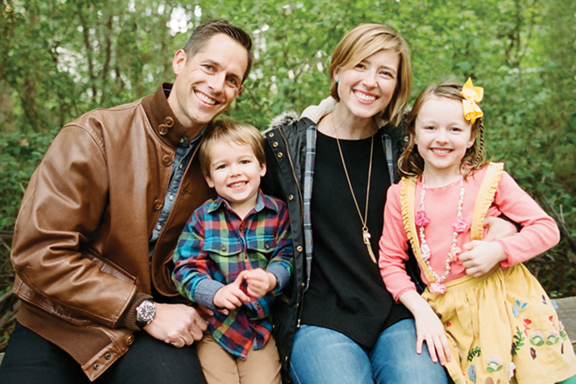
80,247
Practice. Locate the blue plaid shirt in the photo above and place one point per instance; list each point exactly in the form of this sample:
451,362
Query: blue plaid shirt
215,246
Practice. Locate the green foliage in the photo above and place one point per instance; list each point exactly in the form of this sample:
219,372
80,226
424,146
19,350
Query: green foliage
61,58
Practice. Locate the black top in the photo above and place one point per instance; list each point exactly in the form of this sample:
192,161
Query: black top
346,291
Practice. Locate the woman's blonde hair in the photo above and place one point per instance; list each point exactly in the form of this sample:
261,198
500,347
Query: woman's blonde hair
364,41
231,131
410,163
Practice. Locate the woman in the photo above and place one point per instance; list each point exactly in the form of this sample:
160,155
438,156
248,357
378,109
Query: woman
333,167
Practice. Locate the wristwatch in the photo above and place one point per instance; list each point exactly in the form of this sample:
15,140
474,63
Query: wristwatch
145,313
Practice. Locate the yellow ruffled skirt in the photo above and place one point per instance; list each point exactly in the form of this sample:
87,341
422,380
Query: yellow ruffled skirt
503,328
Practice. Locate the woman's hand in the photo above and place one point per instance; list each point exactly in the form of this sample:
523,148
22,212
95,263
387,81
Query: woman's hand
429,328
498,228
479,257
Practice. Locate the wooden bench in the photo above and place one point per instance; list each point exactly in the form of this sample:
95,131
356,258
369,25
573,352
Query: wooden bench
567,314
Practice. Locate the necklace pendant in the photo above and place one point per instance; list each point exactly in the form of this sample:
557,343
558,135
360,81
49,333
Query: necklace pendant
437,288
366,235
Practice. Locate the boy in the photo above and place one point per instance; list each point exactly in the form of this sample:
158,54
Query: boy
234,255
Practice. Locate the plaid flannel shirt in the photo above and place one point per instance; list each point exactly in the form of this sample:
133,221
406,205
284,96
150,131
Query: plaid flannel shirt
215,246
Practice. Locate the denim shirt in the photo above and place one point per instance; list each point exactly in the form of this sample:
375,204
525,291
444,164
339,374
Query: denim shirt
181,159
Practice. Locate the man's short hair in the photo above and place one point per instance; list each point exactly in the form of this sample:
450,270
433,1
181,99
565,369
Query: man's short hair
207,30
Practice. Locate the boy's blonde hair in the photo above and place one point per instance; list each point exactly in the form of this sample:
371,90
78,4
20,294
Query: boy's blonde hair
410,163
228,130
363,41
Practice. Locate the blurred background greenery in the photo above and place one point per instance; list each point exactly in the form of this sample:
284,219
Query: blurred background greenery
61,58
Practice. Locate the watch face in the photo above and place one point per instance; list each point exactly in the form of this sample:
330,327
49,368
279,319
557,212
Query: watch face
146,312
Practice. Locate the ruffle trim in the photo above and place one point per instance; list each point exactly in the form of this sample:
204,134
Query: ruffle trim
485,198
407,196
483,202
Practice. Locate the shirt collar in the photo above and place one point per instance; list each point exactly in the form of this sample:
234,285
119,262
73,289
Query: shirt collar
262,201
163,120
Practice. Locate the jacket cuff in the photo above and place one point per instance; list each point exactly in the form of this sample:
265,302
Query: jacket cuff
128,318
205,291
282,276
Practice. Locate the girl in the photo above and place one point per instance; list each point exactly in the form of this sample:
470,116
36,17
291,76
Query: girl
482,315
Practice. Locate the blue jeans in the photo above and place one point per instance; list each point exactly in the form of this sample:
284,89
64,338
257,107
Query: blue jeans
324,356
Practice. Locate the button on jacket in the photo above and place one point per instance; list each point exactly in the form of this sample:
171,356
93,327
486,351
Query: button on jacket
80,248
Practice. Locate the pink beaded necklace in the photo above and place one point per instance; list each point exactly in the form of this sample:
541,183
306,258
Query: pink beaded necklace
459,225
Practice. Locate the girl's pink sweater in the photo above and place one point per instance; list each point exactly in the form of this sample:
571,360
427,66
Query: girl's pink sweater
539,231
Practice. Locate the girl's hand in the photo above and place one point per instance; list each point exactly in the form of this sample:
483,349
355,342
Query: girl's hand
479,257
231,296
259,282
429,328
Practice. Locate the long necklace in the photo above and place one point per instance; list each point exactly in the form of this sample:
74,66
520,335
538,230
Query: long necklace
364,220
459,226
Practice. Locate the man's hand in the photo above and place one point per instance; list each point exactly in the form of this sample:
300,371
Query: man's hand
479,257
177,324
259,282
231,296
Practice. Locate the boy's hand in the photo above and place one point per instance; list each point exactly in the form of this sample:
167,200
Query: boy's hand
259,282
231,296
479,257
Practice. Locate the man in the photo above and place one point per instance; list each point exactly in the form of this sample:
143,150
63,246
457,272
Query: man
100,219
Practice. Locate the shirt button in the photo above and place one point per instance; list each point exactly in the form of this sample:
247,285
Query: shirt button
181,140
130,340
171,197
159,227
299,248
96,366
223,248
158,204
280,154
275,144
180,166
271,134
291,197
107,356
267,246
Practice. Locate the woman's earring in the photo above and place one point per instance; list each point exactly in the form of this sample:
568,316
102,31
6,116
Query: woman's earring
336,81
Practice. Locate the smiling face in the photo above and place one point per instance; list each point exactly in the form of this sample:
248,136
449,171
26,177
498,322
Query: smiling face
208,82
366,89
235,173
442,135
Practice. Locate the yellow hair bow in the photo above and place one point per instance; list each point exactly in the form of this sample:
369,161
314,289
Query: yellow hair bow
472,96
